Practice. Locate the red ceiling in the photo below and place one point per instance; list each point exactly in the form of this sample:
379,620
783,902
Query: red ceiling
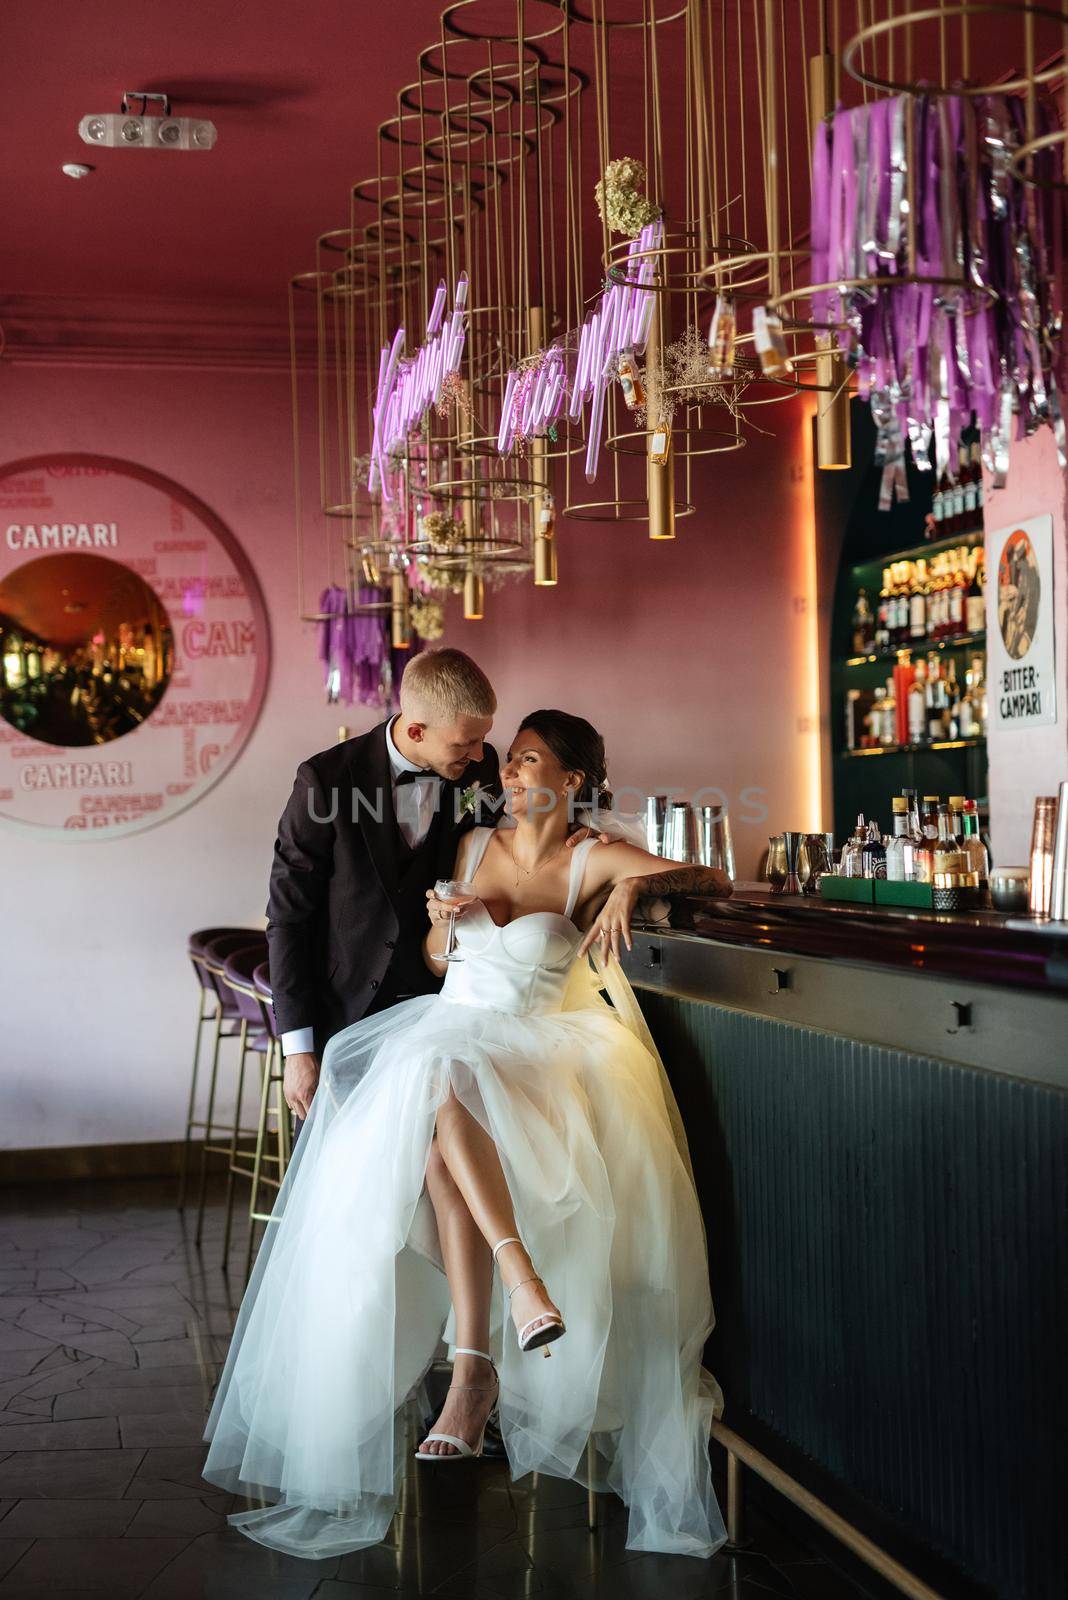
296,90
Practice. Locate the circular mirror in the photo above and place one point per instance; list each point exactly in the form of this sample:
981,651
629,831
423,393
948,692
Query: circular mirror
133,646
86,649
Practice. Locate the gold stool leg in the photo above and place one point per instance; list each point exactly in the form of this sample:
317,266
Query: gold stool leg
591,1493
233,1144
735,1527
257,1165
183,1172
208,1124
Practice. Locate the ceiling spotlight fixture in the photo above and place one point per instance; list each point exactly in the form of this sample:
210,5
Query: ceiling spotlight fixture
76,169
125,130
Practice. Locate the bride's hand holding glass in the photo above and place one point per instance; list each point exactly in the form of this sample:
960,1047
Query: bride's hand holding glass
446,902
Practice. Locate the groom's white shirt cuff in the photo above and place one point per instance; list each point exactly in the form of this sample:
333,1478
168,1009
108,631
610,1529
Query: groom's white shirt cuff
298,1041
413,806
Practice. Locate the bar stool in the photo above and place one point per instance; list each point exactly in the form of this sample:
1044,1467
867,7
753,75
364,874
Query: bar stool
256,1039
209,1009
273,1073
228,1025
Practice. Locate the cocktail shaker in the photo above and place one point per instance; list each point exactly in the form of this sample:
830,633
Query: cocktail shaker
1059,897
656,812
1042,832
679,838
714,845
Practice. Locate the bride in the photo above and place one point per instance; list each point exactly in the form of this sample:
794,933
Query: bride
517,1121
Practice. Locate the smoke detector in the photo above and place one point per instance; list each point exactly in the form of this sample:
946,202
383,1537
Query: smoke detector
125,130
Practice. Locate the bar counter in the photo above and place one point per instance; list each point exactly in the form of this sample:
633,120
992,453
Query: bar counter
877,1107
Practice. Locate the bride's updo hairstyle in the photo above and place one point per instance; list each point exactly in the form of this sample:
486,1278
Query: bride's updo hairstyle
578,747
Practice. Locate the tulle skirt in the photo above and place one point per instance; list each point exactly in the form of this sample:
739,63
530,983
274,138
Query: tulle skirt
348,1300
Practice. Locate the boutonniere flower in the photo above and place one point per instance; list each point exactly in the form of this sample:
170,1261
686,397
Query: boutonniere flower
469,799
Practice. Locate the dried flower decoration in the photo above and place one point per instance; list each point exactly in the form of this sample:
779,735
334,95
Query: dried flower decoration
440,531
621,198
427,616
453,392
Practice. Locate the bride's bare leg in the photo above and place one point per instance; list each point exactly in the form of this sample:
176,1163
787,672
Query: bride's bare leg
469,1268
475,1166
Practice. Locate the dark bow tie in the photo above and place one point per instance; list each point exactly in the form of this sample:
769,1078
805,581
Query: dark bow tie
411,775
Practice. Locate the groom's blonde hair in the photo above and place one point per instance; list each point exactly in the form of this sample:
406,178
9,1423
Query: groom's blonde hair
440,685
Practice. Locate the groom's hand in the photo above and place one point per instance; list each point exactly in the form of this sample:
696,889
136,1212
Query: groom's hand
300,1079
584,833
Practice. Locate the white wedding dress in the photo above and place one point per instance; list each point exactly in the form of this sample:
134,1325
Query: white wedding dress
348,1299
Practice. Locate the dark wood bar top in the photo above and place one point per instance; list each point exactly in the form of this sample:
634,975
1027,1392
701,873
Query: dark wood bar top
983,946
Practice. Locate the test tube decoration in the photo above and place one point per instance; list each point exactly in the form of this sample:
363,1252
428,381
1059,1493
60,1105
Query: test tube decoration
770,344
722,331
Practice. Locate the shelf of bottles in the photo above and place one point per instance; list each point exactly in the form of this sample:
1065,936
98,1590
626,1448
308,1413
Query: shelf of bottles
909,678
935,856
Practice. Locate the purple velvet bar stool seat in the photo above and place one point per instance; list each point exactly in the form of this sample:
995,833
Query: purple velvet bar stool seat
214,949
211,1007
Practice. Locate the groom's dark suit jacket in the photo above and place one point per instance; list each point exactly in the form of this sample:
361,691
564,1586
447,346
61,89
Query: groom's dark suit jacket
346,913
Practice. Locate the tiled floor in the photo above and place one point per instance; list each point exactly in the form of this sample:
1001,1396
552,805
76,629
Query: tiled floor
112,1332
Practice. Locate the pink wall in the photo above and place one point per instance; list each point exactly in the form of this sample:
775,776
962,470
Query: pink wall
1033,761
695,659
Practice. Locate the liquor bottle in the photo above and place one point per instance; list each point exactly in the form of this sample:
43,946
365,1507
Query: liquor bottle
970,496
882,614
974,848
873,854
722,331
977,476
936,700
863,625
913,799
979,689
888,715
900,632
917,704
951,715
875,720
956,593
660,444
918,609
938,507
899,848
959,521
975,601
944,844
934,606
852,858
630,381
956,816
770,344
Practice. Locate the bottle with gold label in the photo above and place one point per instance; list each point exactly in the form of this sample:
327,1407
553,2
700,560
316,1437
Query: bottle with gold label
546,517
660,444
630,380
770,344
721,336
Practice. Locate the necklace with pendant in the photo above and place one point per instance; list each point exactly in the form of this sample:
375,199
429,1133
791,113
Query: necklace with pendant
532,871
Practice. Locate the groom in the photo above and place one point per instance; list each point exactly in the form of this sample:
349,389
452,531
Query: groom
370,825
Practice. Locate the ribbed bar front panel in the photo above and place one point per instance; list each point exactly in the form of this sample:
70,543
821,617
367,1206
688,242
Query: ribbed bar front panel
889,1267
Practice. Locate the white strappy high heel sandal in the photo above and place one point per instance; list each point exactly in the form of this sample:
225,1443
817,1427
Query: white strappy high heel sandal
552,1326
462,1447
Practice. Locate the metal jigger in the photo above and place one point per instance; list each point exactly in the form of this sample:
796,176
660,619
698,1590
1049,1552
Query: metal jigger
792,842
